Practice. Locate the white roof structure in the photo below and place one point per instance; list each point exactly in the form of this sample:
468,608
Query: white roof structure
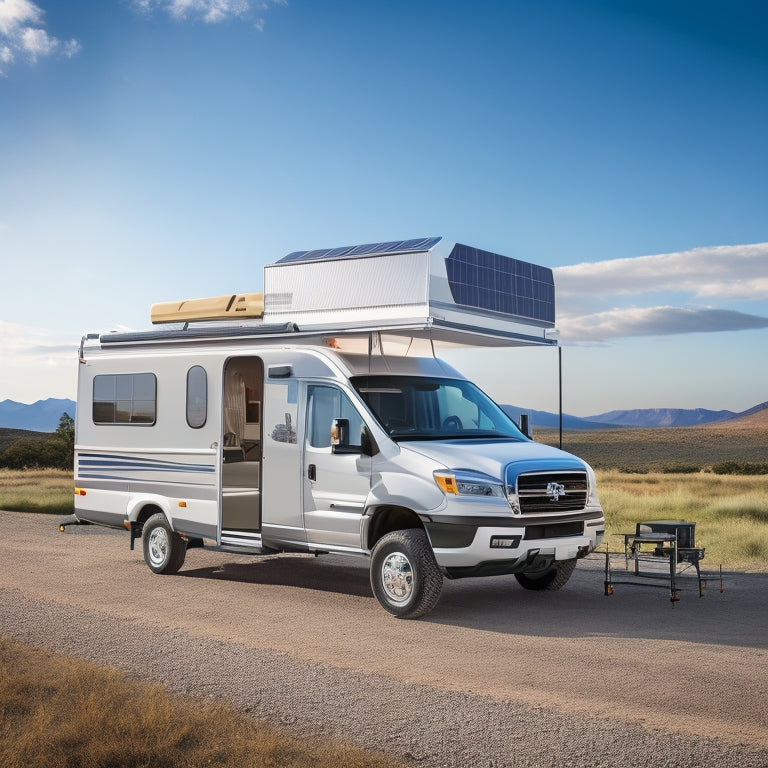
424,290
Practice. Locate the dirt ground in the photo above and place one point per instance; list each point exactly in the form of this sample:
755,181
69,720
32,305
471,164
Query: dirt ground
698,668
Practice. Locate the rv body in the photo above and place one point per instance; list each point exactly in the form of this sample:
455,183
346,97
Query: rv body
259,437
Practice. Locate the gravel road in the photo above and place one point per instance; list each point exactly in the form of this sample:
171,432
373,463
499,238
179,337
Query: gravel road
495,676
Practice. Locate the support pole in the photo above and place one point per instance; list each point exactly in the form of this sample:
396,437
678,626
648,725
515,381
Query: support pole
560,389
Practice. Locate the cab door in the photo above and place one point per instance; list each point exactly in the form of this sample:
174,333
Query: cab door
336,484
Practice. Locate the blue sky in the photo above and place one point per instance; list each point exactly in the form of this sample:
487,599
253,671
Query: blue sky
162,149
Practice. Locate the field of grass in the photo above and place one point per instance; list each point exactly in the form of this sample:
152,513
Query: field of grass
730,512
58,712
37,490
654,450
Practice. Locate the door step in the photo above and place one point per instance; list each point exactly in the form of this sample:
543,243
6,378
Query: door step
245,543
247,539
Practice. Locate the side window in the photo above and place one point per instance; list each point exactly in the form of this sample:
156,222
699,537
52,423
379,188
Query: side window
124,398
197,396
324,405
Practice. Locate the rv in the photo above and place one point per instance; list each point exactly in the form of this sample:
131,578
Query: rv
317,417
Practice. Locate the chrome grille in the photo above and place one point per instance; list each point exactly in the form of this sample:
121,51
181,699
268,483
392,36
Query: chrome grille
552,492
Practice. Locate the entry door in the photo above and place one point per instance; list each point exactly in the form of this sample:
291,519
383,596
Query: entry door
336,485
241,445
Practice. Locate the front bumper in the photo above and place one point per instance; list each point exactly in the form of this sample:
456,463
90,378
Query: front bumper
466,542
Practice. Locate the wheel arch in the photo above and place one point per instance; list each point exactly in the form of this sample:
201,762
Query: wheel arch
142,508
384,519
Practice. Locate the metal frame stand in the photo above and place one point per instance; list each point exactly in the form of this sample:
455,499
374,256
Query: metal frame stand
665,545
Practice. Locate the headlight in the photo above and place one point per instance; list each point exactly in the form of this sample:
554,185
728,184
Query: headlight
468,484
592,500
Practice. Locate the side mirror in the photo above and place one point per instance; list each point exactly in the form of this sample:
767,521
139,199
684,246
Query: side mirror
340,439
340,432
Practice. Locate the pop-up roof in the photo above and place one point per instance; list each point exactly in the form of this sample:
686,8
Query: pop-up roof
455,293
426,288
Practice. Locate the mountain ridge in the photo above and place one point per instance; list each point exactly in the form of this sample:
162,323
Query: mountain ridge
40,416
44,415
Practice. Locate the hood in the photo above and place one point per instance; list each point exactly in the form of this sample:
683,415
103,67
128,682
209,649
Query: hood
492,457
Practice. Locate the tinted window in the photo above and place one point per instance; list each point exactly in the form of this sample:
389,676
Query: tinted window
124,398
197,396
422,408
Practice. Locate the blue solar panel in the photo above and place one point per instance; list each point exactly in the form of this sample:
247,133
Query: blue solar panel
494,282
370,249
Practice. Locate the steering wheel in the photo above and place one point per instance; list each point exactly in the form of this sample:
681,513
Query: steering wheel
452,424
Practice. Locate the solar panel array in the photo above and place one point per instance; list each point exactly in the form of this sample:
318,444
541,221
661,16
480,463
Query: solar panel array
371,249
490,281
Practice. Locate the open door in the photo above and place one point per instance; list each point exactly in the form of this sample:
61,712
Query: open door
241,450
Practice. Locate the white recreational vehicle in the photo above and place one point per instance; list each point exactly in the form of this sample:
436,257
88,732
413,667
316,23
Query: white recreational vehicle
315,417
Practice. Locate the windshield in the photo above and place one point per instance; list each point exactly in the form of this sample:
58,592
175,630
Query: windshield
425,408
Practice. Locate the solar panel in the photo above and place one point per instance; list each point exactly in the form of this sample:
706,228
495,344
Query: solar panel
370,249
486,280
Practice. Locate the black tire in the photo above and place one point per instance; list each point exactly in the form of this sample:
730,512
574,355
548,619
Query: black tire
404,575
164,549
553,579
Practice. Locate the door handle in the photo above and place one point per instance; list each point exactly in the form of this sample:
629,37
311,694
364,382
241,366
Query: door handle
312,472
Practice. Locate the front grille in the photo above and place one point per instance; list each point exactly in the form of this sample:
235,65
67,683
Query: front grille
537,492
554,530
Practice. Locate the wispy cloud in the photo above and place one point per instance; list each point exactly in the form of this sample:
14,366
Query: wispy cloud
736,271
210,11
22,35
719,274
655,321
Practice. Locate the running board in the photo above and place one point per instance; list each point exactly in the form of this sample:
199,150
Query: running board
244,541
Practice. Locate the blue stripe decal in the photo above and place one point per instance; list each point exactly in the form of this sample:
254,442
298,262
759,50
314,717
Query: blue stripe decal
103,461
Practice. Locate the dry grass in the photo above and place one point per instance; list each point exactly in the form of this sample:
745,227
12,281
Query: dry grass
730,512
37,490
653,450
57,712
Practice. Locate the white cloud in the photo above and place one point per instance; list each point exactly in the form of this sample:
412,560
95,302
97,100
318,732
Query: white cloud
17,13
208,11
589,295
37,363
732,271
22,32
654,321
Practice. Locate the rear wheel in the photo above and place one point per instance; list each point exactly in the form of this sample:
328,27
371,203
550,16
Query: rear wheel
404,575
164,549
553,579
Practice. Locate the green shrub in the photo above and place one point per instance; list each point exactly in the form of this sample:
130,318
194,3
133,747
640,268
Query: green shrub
740,468
681,469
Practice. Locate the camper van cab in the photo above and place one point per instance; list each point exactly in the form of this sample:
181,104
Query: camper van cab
342,435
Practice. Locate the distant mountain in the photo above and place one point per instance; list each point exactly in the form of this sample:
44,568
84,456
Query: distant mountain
546,420
644,417
662,417
754,418
42,416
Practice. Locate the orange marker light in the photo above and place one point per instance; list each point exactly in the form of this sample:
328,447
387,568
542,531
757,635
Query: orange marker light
446,482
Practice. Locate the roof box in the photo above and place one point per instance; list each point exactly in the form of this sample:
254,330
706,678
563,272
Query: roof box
430,288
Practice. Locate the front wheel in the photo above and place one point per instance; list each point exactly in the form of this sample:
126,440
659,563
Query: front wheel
404,575
553,579
164,549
